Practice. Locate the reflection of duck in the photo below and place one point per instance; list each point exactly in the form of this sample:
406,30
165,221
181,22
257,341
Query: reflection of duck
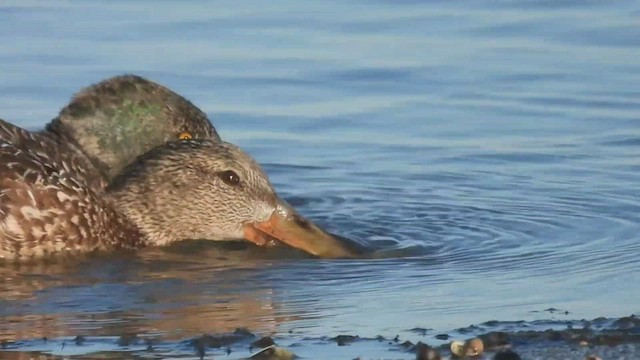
51,184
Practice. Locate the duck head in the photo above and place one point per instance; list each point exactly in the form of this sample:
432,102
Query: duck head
203,189
118,119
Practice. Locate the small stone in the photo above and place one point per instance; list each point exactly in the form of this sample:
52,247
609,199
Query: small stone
583,343
506,355
592,357
407,344
474,347
609,340
457,348
201,349
343,340
263,342
495,339
243,332
426,352
442,337
553,335
274,353
626,323
127,339
79,340
419,331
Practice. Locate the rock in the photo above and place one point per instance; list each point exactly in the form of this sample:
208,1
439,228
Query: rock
506,355
127,339
343,340
219,341
263,342
426,352
273,353
79,340
495,339
553,335
407,344
244,332
200,347
628,322
419,331
472,347
457,348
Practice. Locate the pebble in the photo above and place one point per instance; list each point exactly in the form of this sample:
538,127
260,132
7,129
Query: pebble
426,352
472,347
273,353
506,355
343,340
263,342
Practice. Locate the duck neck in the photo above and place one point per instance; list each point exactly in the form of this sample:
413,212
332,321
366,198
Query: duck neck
154,225
122,232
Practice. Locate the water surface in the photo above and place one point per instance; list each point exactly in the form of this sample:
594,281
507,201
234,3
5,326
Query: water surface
489,151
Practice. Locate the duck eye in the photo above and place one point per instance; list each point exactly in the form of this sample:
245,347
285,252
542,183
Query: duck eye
230,177
185,136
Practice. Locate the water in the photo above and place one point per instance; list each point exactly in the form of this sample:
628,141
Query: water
489,151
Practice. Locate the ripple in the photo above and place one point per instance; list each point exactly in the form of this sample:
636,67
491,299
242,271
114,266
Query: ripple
486,156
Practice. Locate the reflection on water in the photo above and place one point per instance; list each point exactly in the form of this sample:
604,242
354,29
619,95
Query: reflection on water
48,299
487,153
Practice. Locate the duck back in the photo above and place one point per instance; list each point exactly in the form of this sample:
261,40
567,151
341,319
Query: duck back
47,204
59,155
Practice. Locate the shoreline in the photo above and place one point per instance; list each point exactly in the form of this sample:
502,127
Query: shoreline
604,338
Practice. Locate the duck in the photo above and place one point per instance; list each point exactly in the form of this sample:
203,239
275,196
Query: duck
108,124
84,184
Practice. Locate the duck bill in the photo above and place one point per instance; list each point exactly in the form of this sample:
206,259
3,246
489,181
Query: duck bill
292,229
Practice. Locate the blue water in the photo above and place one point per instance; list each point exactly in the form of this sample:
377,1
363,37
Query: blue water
489,151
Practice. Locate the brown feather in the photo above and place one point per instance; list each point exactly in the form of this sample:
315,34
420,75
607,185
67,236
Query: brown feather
46,205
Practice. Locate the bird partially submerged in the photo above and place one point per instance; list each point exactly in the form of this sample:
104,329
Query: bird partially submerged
185,183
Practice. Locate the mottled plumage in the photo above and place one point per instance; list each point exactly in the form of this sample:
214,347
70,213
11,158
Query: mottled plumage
47,207
177,192
115,120
187,189
54,198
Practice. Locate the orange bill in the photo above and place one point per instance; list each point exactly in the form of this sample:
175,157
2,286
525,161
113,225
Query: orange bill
292,229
